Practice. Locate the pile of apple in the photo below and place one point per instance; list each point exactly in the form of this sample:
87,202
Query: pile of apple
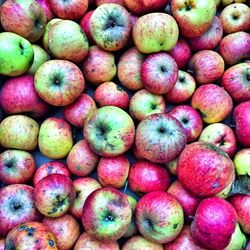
140,112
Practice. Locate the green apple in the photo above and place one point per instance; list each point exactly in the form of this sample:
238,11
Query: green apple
227,2
242,162
238,240
16,54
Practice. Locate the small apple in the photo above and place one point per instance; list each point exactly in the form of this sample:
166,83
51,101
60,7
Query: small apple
45,4
85,25
242,162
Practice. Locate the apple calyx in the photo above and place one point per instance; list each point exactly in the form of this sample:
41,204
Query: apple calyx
241,185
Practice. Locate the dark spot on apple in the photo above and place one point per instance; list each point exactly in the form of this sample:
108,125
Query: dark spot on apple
161,44
222,142
175,225
23,227
109,218
153,106
216,184
56,81
148,223
182,79
30,231
184,120
16,205
77,194
36,241
51,243
21,47
49,169
235,17
188,8
10,163
162,130
111,146
163,69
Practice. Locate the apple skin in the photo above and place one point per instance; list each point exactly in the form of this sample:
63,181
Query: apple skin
241,116
172,166
18,95
19,132
2,243
235,47
235,17
17,206
84,187
241,203
150,29
81,160
241,162
145,177
188,201
159,73
73,9
29,13
136,153
235,81
200,159
110,94
129,69
80,110
55,138
210,39
16,166
52,167
213,102
140,243
107,224
214,223
144,103
59,82
110,26
238,240
182,90
193,17
99,66
100,2
227,2
86,242
65,229
85,25
181,52
207,66
16,54
159,217
105,135
30,235
113,172
160,138
54,195
67,41
45,4
221,136
190,120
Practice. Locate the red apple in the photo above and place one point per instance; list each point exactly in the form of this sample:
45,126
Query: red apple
136,153
45,4
120,2
84,23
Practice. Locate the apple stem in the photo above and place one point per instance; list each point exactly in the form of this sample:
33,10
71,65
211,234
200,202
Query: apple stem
125,187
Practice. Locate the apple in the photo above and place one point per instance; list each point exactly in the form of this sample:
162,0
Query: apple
59,82
160,138
67,41
80,110
55,138
144,103
19,132
207,66
204,170
248,246
235,81
241,203
106,214
105,135
159,217
235,47
241,116
235,17
241,162
16,206
210,39
99,66
181,52
213,102
182,90
145,177
85,25
45,4
190,120
227,2
155,32
113,171
30,235
136,153
81,160
193,17
16,166
214,223
51,167
129,69
87,242
65,229
54,195
111,94
238,240
221,136
83,187
140,243
73,9
40,57
100,2
159,73
110,26
172,166
2,243
16,54
188,201
18,95
29,13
